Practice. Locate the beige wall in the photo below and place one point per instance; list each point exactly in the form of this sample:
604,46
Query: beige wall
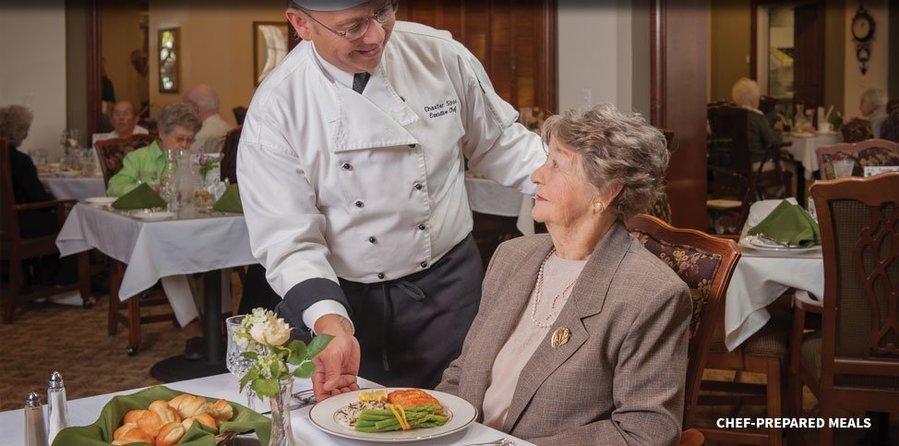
729,46
216,48
33,51
120,35
835,31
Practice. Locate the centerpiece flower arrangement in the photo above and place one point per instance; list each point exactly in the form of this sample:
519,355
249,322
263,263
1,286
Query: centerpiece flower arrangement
265,340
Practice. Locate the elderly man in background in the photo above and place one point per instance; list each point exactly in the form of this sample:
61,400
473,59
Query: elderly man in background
124,123
873,106
211,136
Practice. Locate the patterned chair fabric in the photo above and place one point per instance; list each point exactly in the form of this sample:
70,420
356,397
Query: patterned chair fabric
856,130
111,152
705,264
873,152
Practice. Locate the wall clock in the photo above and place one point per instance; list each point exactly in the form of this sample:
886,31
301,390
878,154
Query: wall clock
862,32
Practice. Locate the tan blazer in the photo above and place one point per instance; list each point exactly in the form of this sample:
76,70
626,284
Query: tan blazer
618,380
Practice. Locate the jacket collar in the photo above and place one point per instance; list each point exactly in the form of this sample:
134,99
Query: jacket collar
587,299
384,113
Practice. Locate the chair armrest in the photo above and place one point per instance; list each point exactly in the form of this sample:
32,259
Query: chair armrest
42,205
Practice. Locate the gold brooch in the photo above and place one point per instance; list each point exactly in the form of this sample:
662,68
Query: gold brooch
560,337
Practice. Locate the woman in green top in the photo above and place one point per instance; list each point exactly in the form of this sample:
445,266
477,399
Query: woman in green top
178,123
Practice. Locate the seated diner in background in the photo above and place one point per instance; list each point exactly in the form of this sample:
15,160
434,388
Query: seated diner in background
746,94
124,123
581,336
873,108
178,123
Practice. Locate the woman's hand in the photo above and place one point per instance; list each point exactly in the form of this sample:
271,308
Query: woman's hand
337,366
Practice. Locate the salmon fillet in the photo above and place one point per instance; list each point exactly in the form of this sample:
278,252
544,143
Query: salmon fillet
411,398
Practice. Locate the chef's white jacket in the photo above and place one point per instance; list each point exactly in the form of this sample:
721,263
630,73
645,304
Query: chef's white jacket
370,187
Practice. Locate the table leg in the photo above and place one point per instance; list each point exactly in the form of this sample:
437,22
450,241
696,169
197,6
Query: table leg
178,368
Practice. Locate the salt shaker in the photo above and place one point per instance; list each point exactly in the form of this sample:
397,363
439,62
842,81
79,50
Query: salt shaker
35,431
58,415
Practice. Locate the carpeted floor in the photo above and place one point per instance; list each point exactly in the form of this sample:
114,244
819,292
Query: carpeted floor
73,341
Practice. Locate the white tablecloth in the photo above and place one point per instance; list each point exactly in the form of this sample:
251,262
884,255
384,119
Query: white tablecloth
803,149
153,250
489,197
761,277
74,188
84,411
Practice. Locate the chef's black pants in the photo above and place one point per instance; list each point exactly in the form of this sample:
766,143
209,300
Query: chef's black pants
410,329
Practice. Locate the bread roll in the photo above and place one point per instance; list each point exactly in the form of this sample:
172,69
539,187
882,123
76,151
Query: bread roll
221,410
131,433
166,413
189,405
150,422
132,416
204,418
170,434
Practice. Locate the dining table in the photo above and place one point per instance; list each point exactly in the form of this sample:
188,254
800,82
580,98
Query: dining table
154,245
762,275
803,147
84,411
72,185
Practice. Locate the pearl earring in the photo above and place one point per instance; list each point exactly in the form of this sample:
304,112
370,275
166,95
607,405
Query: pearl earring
598,206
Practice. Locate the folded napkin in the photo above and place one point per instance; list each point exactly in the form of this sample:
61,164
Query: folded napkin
230,201
141,197
100,433
788,224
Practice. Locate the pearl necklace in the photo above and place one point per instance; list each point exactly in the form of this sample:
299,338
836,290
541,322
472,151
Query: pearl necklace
538,295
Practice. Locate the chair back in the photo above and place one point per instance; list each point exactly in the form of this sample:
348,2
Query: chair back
9,219
859,221
730,133
706,264
240,113
873,152
229,155
111,152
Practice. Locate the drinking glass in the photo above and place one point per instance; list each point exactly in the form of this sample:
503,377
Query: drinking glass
843,168
148,177
234,360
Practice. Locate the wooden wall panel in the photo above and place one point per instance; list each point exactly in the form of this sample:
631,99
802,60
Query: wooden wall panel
514,40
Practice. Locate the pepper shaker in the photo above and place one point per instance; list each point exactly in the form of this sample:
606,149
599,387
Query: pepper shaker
58,415
35,430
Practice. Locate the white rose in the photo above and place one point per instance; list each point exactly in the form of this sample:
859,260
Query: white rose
270,331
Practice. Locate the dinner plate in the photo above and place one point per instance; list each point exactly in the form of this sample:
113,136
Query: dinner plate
153,216
751,241
101,200
461,414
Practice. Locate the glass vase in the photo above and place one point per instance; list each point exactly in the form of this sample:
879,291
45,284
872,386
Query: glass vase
282,435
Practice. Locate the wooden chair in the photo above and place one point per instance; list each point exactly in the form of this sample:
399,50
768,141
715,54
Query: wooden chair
738,174
112,151
229,156
706,264
14,249
853,362
873,152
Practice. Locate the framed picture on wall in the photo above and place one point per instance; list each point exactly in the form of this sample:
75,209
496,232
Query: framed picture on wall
269,48
169,60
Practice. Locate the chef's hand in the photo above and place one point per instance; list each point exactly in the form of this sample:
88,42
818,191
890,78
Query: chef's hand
337,366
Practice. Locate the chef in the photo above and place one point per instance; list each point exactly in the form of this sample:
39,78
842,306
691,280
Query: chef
351,175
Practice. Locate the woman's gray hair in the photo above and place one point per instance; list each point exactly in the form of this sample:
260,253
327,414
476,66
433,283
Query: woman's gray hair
745,91
15,120
876,97
180,114
615,148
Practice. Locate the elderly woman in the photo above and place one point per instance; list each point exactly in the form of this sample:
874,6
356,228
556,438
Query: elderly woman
178,123
873,107
581,335
746,93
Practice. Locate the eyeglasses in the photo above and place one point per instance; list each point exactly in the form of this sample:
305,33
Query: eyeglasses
359,28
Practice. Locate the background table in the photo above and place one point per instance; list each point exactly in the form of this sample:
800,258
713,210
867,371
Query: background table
85,411
73,187
193,243
803,149
761,277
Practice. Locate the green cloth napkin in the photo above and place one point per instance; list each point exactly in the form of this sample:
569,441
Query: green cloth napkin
790,225
141,197
230,201
100,433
